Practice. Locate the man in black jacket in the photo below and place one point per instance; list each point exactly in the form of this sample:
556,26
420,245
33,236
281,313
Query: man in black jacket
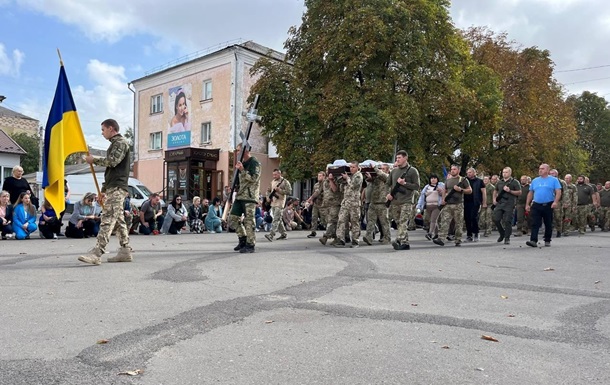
472,205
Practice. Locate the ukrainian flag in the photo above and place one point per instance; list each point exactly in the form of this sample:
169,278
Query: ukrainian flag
63,136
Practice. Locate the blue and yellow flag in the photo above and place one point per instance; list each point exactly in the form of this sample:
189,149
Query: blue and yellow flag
63,136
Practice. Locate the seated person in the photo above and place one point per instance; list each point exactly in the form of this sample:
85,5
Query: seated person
84,221
288,216
213,221
151,217
176,217
6,215
196,216
48,224
24,217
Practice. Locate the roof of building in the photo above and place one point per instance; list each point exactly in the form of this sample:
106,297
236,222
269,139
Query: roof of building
8,145
13,114
248,45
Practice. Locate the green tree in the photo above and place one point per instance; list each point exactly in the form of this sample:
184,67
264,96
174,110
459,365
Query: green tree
31,145
593,126
360,79
537,124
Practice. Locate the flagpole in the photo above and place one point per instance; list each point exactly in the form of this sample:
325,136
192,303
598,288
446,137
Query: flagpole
97,186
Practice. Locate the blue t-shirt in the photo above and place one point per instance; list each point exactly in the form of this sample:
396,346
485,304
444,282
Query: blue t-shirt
544,189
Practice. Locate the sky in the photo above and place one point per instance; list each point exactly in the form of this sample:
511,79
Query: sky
105,44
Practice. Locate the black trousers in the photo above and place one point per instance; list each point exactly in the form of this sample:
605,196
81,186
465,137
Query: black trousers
503,218
471,217
540,212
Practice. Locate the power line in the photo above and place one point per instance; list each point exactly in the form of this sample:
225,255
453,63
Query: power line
585,81
584,69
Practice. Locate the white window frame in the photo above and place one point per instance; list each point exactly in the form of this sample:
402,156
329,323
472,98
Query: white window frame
154,138
206,133
205,95
156,104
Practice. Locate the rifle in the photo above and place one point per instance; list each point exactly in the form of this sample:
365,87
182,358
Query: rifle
396,187
251,116
272,194
501,193
450,193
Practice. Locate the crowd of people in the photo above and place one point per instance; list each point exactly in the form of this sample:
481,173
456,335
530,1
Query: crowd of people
384,197
342,204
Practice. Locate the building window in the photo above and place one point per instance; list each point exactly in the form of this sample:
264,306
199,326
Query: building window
206,132
156,104
207,90
155,140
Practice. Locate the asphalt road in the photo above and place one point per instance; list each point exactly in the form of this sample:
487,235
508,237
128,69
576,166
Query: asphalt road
190,310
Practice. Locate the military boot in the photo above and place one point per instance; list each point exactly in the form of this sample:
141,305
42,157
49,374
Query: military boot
241,244
123,255
248,248
94,256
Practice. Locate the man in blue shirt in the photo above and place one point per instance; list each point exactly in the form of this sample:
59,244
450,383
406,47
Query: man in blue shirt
543,197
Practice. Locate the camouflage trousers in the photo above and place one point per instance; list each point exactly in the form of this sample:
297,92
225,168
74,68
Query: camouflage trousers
523,222
316,217
569,219
451,213
245,228
113,216
593,216
377,211
582,217
605,218
332,216
349,215
402,215
277,226
558,218
486,220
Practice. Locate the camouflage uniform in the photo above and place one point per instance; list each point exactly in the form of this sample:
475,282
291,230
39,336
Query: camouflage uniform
331,204
569,207
277,206
583,210
412,226
316,214
401,207
453,210
486,217
604,201
115,188
350,207
377,208
246,201
558,211
593,212
522,219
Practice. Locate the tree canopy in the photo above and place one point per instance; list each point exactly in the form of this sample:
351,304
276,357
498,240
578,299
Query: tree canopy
31,145
363,79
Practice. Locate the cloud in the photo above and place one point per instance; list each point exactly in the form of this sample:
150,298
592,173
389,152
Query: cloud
108,98
10,65
572,30
189,24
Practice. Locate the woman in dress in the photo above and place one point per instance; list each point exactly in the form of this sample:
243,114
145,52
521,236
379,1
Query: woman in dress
176,217
24,217
180,121
6,215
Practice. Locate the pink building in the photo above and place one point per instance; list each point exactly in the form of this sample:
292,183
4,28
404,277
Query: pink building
188,118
